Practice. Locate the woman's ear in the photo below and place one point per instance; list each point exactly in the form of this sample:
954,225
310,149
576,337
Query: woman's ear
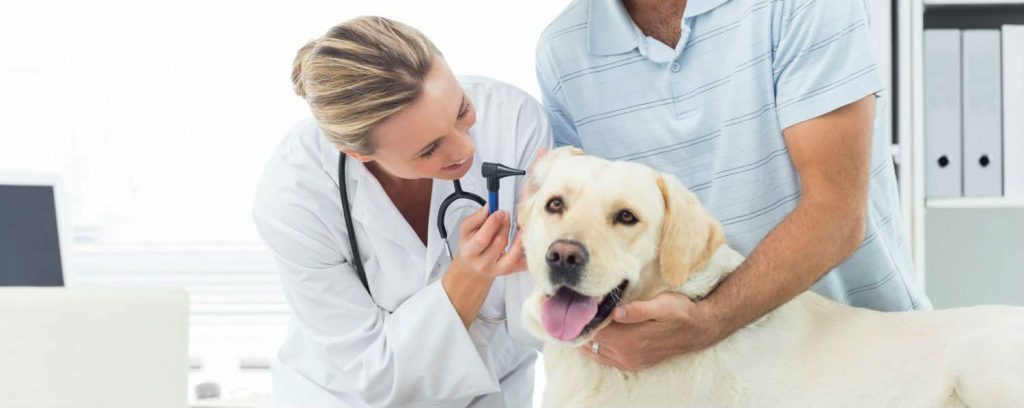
351,153
689,234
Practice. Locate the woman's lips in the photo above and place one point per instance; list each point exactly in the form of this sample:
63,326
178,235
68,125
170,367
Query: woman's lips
456,166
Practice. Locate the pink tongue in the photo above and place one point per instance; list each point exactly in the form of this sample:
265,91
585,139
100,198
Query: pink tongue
566,313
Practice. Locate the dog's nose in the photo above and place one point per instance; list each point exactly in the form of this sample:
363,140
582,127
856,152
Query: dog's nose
566,260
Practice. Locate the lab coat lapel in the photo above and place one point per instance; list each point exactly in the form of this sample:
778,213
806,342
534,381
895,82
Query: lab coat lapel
370,205
373,208
435,245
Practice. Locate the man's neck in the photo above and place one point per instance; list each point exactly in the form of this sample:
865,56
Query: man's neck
657,18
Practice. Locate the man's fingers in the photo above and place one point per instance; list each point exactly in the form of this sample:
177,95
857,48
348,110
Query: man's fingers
599,356
636,312
662,307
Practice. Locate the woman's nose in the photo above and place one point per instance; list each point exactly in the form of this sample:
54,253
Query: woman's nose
465,145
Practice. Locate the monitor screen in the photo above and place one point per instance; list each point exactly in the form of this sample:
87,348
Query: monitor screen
29,237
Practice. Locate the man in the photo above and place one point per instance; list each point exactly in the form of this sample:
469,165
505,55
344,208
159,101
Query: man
766,109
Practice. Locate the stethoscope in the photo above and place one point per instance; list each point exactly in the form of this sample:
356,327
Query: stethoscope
493,172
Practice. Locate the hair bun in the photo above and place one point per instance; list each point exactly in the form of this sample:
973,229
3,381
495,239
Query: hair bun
298,84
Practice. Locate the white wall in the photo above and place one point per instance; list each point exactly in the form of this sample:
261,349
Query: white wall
162,115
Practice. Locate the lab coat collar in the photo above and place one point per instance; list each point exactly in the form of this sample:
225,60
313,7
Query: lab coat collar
365,191
611,31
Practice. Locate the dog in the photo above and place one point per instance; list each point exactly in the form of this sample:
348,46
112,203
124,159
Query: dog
600,233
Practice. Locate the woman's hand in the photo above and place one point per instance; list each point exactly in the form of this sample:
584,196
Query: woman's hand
482,242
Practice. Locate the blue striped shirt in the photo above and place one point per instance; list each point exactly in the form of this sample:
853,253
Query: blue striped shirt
711,112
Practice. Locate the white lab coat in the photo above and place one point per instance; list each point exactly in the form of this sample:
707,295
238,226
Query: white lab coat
405,346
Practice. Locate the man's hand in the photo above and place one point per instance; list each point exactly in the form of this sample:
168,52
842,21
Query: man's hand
831,154
645,333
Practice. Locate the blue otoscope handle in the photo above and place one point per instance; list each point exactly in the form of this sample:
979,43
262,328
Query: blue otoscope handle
492,202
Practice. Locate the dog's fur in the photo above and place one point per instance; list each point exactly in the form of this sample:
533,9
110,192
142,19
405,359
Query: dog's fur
810,352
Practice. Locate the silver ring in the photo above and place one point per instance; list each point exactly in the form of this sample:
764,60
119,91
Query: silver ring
595,347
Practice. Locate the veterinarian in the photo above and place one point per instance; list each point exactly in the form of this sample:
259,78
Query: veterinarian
768,110
427,329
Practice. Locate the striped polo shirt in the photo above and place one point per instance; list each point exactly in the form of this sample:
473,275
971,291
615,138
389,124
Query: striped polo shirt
711,112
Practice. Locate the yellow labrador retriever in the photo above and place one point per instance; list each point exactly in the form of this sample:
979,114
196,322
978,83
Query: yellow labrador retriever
600,233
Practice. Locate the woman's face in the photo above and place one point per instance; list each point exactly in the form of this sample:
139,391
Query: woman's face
430,137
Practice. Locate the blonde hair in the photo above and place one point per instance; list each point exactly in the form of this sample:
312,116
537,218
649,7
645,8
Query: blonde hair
360,73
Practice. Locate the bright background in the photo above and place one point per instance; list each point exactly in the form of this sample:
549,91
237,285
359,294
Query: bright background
160,117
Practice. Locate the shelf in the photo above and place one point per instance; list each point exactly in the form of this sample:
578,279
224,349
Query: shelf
975,203
972,2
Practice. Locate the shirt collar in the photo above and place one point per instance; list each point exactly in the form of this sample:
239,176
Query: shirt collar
611,31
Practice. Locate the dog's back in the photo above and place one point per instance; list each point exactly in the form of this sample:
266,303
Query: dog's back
813,352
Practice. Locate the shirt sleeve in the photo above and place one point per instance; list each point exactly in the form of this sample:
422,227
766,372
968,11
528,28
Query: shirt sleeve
824,59
563,129
419,353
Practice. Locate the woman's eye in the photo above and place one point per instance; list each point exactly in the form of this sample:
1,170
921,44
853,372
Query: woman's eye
555,205
625,217
463,112
430,152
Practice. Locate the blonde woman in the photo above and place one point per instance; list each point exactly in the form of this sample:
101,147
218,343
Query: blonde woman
422,329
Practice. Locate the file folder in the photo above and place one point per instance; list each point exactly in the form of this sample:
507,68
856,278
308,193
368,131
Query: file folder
1013,111
942,113
982,118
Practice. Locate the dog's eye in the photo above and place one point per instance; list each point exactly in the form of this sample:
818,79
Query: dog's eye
555,205
625,217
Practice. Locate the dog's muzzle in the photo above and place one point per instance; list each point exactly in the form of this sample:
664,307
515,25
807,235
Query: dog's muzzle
566,260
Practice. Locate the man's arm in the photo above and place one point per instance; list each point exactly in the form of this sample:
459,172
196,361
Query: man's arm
831,154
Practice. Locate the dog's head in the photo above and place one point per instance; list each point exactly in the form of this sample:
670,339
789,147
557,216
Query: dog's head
600,233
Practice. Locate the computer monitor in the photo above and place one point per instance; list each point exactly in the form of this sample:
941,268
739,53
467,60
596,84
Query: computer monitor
33,236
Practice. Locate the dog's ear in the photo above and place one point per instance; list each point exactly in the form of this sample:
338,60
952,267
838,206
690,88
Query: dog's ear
535,177
690,235
539,171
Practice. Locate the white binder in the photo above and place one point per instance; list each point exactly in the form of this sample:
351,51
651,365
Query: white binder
1013,110
942,112
983,119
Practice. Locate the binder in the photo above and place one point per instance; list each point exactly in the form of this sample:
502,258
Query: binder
1013,110
982,118
942,124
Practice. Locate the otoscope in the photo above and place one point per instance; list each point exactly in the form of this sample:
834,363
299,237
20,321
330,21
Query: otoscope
494,172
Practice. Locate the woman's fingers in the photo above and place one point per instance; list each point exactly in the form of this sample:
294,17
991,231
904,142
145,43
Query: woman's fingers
474,221
483,237
514,260
499,241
